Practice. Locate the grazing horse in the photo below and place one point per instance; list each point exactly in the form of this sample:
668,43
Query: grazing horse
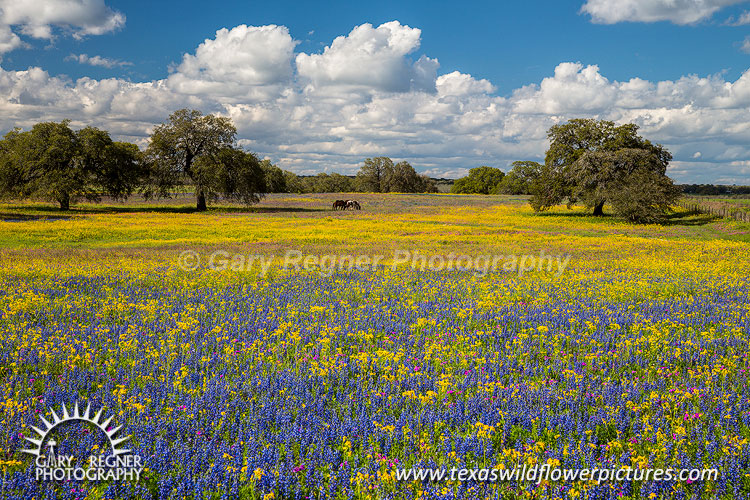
339,205
352,204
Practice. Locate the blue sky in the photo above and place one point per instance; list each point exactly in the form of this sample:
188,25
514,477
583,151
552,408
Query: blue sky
487,78
510,43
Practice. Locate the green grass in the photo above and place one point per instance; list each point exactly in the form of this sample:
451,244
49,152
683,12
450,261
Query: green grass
468,221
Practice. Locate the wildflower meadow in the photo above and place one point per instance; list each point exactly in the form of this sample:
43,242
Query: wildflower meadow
293,383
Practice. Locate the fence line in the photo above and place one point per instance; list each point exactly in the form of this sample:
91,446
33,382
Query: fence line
718,209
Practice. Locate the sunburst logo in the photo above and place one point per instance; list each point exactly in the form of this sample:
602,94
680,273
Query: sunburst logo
120,464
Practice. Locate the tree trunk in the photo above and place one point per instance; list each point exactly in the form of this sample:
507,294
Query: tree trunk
64,201
599,208
201,204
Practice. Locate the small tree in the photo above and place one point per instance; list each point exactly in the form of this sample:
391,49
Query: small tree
549,189
371,177
175,146
425,184
481,180
43,162
380,175
338,183
117,167
11,171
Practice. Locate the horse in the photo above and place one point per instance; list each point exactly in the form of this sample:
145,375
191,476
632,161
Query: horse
339,205
352,204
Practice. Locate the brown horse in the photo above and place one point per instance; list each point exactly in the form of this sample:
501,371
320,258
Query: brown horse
339,205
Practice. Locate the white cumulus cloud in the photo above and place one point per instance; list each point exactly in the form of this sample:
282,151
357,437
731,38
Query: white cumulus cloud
573,88
38,17
8,40
326,117
372,58
458,84
241,62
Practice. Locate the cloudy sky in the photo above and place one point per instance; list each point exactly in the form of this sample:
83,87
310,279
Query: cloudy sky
447,86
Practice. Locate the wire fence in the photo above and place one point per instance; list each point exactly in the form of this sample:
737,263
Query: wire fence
727,209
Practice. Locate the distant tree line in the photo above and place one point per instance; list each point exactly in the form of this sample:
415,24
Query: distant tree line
377,175
190,151
714,190
283,181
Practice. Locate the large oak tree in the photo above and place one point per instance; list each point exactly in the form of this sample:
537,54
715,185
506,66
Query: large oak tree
592,160
199,150
53,162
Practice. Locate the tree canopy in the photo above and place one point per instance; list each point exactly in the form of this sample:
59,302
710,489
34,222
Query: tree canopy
481,180
54,162
275,178
231,173
643,196
520,178
196,149
371,177
380,175
591,161
328,183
